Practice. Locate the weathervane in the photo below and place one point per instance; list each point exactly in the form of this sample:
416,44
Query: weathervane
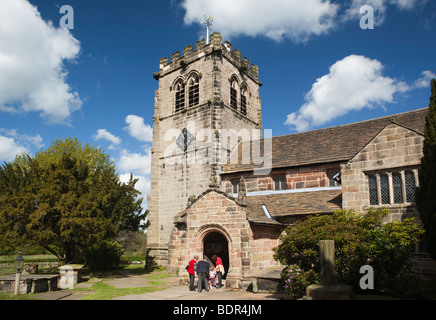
208,22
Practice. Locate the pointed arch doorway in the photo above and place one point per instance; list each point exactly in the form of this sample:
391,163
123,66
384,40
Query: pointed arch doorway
216,243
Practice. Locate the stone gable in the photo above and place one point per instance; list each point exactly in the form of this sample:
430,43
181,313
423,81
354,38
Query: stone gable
395,149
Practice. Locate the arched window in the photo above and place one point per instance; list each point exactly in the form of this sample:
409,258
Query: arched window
234,95
397,185
244,101
410,186
180,96
193,91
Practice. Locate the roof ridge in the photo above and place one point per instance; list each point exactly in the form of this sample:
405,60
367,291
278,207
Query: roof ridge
353,123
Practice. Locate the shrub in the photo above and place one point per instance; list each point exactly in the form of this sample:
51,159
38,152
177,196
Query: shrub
360,239
296,281
105,255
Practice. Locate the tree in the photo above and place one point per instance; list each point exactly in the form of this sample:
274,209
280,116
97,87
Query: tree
426,193
65,199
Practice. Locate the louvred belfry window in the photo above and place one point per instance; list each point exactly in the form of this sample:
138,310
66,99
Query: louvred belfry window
194,92
180,96
243,102
234,95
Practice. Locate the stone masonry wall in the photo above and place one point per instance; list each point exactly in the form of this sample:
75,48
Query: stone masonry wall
172,185
250,249
394,149
296,178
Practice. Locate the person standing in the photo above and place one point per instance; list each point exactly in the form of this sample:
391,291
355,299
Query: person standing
191,270
219,269
203,275
212,277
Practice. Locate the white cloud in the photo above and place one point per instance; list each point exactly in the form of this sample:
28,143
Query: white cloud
276,19
9,148
136,163
32,73
140,166
425,79
380,8
138,129
354,83
103,134
25,139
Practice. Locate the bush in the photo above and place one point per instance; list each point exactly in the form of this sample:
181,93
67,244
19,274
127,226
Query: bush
360,239
105,255
297,280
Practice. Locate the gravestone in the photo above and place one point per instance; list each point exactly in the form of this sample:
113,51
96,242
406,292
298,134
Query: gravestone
328,289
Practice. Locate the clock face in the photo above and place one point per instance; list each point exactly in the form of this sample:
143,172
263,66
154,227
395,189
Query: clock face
184,140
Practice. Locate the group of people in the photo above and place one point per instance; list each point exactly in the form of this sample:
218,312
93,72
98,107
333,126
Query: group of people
208,275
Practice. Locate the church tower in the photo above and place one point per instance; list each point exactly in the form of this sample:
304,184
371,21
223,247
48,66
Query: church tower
202,93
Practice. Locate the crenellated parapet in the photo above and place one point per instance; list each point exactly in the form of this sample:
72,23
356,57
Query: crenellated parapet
201,50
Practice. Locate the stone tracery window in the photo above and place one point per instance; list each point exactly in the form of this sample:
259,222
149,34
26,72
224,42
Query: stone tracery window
392,188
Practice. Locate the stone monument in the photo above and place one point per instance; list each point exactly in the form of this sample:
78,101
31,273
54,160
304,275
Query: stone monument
328,289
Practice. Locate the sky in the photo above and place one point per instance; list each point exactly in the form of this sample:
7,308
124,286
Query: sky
86,70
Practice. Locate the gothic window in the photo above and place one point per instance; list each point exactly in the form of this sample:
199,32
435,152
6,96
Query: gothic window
180,96
280,182
384,189
410,186
193,91
397,186
373,190
243,102
234,95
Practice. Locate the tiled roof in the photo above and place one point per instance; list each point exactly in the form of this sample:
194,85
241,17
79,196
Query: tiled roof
328,145
294,203
280,205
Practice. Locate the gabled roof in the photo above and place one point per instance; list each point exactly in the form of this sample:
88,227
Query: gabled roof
335,144
280,205
296,203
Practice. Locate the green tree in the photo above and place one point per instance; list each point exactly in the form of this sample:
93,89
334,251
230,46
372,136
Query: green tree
426,193
65,199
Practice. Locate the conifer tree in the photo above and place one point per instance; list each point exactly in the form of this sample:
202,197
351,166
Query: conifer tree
65,199
426,193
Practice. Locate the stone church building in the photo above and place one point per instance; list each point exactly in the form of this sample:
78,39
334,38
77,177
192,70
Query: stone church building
201,203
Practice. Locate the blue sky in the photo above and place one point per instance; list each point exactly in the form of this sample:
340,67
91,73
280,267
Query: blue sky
318,67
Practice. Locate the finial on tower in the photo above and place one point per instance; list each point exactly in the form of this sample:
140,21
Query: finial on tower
208,22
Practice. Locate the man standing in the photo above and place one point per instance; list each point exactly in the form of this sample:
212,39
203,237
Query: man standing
203,275
191,270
